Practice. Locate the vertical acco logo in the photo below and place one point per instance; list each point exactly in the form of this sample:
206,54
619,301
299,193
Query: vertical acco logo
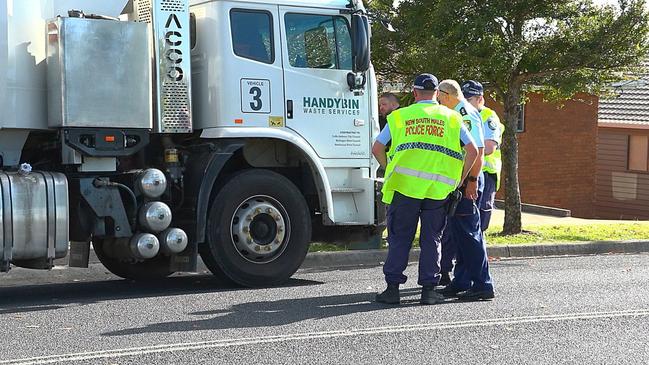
334,106
173,55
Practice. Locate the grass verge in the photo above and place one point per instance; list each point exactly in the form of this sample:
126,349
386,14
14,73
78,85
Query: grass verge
573,233
541,235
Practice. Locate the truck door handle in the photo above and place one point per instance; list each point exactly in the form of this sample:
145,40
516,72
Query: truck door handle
289,109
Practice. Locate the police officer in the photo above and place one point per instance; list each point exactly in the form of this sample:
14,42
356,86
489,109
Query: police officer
463,234
388,102
426,165
493,131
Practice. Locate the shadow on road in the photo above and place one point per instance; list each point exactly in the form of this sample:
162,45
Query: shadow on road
276,313
33,298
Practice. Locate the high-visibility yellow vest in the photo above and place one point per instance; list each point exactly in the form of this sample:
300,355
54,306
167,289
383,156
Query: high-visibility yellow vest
493,163
427,157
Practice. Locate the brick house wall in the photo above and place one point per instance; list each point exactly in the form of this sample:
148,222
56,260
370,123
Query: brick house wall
620,193
557,153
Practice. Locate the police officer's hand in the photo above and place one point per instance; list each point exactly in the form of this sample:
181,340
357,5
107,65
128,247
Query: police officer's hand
471,190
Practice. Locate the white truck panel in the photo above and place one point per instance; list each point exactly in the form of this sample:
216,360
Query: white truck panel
23,94
233,132
310,3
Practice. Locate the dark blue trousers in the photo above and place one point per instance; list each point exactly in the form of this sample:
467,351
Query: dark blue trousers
487,201
471,263
449,244
449,250
404,215
463,240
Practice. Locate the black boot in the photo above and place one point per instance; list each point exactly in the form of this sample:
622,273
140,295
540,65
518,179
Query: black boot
429,296
445,279
390,295
476,295
448,291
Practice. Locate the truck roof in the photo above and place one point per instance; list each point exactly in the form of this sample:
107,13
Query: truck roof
307,3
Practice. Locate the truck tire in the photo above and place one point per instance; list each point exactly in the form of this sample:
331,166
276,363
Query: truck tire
153,269
258,230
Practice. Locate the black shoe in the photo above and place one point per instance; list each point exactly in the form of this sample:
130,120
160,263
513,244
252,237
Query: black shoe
445,279
429,296
390,295
448,291
475,295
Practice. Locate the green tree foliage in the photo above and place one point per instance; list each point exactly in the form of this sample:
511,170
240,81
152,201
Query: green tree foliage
558,47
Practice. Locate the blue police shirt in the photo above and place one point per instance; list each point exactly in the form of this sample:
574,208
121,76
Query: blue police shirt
472,121
465,137
492,131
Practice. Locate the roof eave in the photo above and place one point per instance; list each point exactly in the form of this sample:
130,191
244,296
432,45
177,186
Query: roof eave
622,125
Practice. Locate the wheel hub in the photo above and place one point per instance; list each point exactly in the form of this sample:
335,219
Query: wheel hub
260,229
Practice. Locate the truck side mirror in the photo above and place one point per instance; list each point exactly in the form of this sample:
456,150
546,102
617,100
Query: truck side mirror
360,43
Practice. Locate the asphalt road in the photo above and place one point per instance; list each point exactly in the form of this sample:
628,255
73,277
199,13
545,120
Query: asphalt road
588,310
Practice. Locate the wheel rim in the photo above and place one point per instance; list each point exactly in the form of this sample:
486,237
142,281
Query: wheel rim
260,229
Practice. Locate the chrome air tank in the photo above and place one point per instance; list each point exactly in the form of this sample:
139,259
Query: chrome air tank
33,219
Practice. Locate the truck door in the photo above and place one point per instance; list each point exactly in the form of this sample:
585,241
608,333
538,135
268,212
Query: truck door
253,68
317,54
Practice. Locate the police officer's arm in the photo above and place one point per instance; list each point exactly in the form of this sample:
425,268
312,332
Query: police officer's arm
469,158
378,149
471,190
470,149
490,147
472,186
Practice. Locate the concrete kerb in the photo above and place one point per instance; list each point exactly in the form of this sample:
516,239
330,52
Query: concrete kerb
538,209
377,257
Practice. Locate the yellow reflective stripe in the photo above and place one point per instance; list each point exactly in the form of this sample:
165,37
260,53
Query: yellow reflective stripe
426,175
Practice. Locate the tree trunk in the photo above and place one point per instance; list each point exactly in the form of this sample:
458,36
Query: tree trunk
510,163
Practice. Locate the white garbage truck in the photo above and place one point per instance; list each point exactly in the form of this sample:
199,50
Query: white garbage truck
160,130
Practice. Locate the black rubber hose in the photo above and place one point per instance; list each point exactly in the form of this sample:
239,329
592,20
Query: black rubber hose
133,199
133,215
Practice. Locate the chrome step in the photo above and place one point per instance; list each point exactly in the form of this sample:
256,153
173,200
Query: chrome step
347,190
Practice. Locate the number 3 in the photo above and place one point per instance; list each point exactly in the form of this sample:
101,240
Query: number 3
256,104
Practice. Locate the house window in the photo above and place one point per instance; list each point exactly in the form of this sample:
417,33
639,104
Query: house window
639,153
520,123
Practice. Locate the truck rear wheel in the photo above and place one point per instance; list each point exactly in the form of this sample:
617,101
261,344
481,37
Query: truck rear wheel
153,269
258,230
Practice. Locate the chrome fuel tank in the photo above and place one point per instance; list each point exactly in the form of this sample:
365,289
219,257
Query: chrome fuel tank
33,219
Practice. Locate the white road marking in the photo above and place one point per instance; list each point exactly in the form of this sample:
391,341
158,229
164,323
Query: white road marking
137,351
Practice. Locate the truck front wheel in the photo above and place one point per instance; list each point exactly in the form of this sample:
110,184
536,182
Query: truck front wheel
258,230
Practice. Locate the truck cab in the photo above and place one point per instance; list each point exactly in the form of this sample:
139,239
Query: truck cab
279,73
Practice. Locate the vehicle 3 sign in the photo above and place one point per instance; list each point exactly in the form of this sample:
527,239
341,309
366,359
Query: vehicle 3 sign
255,96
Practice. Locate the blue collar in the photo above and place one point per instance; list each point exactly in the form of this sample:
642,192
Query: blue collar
434,102
460,105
